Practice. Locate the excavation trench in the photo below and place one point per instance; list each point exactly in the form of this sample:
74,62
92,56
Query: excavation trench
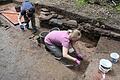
91,30
51,19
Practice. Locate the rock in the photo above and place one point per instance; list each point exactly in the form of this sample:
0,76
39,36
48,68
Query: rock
102,26
44,17
44,10
55,15
71,23
52,12
63,20
55,22
45,13
60,17
97,24
89,27
80,27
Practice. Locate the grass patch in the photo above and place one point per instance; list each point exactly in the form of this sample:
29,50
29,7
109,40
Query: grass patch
118,7
80,3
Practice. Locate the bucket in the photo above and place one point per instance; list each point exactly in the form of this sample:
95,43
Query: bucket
114,57
54,29
105,65
42,36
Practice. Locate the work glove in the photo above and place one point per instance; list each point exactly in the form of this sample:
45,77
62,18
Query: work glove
79,56
77,61
82,57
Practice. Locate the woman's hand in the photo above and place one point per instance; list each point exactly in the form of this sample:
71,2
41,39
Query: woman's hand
81,56
77,61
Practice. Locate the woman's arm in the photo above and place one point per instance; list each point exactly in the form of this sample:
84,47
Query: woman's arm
78,51
65,54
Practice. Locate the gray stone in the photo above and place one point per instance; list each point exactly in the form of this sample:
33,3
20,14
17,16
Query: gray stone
55,15
52,12
44,10
60,17
102,26
55,22
71,23
45,13
63,20
44,17
97,24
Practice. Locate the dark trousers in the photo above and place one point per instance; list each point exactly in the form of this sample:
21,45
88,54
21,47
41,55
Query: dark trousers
54,50
32,19
57,51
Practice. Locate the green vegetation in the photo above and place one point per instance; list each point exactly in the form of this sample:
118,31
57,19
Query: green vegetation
118,7
80,3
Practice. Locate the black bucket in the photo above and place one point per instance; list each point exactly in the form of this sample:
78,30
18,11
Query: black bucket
54,29
42,37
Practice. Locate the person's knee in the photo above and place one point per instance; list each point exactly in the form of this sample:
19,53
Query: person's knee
58,55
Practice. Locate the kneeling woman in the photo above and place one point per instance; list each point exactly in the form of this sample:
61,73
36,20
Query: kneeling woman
57,40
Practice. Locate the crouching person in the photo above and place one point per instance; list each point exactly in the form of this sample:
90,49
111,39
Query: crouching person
59,42
28,12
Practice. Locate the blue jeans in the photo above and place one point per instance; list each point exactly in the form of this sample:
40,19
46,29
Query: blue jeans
55,50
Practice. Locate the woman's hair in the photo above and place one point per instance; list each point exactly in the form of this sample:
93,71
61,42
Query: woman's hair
74,33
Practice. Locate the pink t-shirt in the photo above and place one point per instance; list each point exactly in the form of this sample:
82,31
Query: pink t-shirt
59,38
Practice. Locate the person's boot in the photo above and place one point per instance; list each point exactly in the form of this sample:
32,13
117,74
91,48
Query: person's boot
34,30
27,26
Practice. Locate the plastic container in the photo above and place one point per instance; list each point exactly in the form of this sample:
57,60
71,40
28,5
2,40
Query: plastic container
114,57
54,29
42,36
105,65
